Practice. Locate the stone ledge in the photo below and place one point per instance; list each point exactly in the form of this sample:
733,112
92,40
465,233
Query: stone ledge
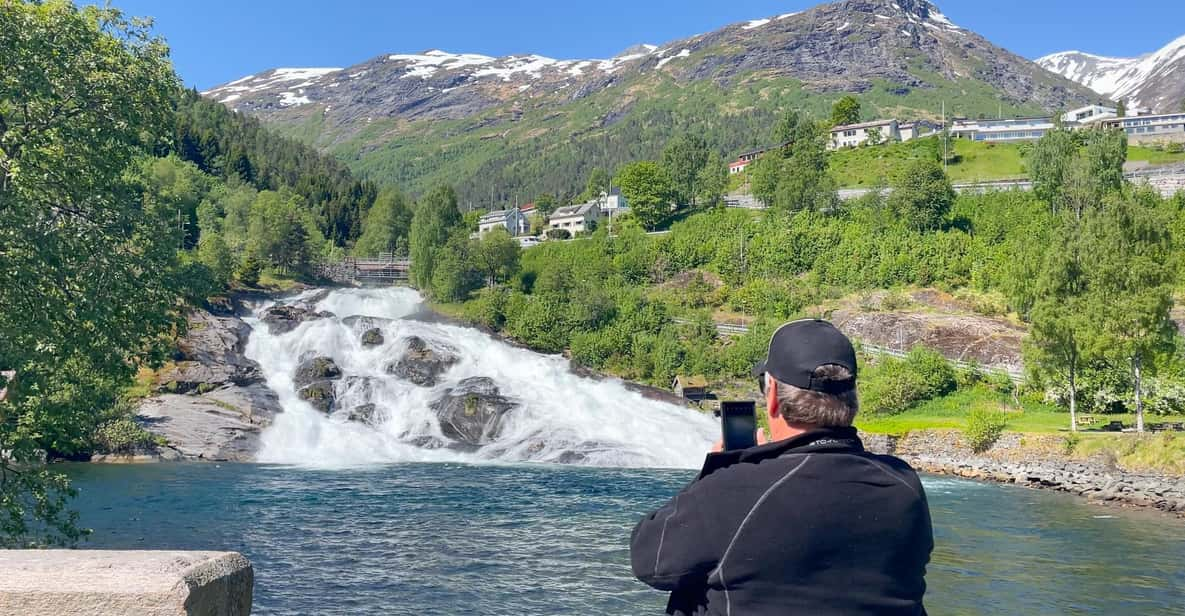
133,583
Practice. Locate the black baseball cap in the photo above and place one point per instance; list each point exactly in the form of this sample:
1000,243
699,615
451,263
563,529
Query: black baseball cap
798,348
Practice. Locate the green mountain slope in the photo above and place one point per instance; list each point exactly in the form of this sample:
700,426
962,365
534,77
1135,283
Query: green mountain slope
517,126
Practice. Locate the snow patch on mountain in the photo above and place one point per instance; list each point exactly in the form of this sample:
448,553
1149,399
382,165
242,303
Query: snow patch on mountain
682,54
1128,79
755,23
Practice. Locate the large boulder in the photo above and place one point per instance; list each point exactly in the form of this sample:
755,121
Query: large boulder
314,369
284,318
372,337
423,363
363,413
471,414
314,379
220,425
320,394
209,356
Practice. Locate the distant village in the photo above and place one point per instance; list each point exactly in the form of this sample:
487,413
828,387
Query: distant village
1142,128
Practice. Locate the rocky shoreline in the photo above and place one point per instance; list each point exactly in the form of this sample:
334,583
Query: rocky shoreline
1033,461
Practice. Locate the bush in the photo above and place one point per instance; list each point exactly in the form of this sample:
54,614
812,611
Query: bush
559,234
984,427
1175,148
895,385
122,435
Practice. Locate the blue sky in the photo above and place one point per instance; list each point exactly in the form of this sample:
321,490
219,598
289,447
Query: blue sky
215,41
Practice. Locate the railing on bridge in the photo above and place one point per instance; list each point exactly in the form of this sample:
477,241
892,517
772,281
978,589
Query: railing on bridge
386,267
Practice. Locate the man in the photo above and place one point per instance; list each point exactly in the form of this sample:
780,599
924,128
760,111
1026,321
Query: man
808,523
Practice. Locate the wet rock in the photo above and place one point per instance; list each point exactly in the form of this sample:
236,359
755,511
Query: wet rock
363,413
361,322
320,394
422,363
316,369
471,414
285,318
372,337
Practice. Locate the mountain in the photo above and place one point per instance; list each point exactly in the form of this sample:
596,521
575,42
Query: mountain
1155,81
523,124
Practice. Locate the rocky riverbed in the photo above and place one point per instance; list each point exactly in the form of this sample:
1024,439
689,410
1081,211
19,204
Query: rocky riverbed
1033,461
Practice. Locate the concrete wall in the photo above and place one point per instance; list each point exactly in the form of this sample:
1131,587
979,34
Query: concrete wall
131,583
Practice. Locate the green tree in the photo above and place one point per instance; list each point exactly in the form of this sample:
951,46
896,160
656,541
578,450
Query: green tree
845,111
922,195
387,225
1132,269
496,254
598,182
545,204
213,253
763,177
683,158
1121,109
435,216
1048,161
1106,151
648,190
283,233
1062,334
86,268
713,180
454,275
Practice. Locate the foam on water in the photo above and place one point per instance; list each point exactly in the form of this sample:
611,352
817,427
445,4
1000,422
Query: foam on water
559,414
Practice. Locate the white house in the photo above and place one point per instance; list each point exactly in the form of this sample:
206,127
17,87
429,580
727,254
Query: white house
612,202
1089,114
852,135
575,218
1162,128
512,220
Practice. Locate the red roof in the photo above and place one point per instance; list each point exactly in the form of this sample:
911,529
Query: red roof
530,207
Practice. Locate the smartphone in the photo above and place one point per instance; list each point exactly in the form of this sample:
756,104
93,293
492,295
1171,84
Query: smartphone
739,420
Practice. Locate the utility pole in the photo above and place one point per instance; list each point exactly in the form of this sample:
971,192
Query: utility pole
945,137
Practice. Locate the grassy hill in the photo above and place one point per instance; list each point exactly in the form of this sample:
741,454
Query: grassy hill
972,161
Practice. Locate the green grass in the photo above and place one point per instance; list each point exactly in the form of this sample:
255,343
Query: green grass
950,412
1164,452
1154,157
974,161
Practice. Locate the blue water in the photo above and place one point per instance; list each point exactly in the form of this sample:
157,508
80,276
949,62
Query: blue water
459,539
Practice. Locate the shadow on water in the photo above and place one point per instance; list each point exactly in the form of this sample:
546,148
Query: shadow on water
533,539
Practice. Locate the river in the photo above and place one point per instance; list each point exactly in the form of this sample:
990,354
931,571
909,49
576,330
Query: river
391,517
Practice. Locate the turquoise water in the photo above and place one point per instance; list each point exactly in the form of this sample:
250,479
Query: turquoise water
462,539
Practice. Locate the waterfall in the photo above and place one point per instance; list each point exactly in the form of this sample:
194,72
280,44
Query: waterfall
557,416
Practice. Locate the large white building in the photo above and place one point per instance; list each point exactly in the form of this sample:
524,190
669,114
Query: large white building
852,135
1163,128
1090,114
1016,129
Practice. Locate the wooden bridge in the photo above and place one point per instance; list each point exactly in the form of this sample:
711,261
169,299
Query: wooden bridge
385,268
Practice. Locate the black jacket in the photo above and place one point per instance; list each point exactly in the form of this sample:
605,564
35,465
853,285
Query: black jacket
809,525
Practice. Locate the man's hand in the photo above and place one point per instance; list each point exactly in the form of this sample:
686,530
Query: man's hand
761,440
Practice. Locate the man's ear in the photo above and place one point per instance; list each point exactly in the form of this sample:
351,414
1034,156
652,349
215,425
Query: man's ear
771,396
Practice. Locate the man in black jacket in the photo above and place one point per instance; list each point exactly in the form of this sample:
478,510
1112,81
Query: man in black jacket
808,523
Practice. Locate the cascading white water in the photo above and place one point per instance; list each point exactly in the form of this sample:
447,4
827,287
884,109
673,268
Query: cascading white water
558,414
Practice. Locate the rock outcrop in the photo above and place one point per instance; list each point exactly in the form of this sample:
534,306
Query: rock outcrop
314,381
287,317
471,413
423,363
212,403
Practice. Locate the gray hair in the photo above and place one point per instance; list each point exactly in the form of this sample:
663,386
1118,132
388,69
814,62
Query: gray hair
816,408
